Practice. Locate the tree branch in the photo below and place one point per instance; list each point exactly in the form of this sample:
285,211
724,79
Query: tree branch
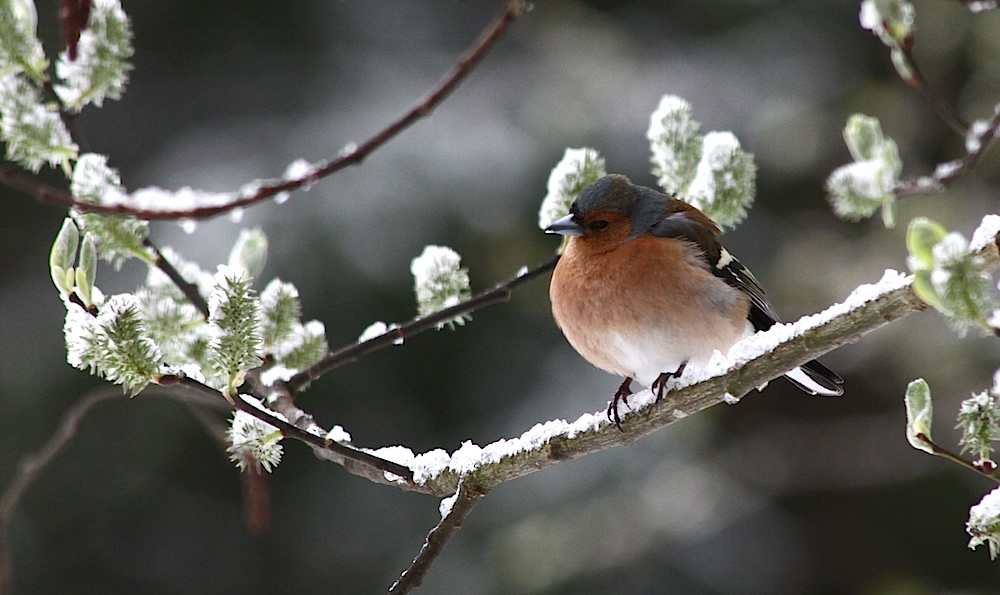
954,458
356,461
918,81
30,466
187,288
353,351
465,500
948,172
557,441
264,190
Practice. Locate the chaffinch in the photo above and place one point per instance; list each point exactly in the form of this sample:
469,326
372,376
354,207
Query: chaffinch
643,288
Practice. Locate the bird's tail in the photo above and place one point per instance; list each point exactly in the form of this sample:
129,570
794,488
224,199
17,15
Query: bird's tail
816,379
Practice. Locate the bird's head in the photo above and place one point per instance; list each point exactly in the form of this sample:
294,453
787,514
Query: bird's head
611,211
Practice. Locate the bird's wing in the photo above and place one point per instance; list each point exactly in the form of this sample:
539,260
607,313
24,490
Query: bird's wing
684,222
762,314
688,224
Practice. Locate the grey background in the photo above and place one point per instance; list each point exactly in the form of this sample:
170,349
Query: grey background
779,494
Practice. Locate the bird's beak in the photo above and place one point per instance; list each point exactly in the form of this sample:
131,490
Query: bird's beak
566,227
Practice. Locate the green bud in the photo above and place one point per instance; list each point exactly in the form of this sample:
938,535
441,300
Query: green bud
925,289
63,256
919,413
249,253
901,63
864,138
921,237
86,273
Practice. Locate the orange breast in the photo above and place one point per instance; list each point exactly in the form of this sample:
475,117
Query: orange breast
627,313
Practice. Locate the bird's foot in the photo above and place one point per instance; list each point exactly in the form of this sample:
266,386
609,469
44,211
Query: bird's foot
621,395
659,385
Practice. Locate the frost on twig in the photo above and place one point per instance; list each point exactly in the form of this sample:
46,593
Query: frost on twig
984,523
117,237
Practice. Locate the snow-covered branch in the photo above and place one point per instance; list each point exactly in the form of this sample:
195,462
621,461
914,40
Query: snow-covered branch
750,364
188,203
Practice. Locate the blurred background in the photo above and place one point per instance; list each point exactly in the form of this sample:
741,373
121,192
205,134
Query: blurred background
781,493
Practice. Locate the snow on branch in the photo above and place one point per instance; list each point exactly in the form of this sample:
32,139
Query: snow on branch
188,203
750,364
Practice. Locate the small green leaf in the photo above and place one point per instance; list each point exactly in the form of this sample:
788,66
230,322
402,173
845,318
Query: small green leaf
249,253
864,138
62,279
64,248
919,414
86,273
925,289
62,257
921,237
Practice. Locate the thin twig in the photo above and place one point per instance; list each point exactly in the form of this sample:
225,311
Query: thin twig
354,460
918,81
465,500
190,290
254,488
948,172
30,466
353,351
70,119
50,195
954,458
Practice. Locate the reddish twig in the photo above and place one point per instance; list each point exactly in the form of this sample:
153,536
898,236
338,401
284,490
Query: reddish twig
918,81
465,500
993,474
353,351
354,460
948,172
190,290
49,195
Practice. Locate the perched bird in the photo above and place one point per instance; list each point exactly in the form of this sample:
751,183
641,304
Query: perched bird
644,287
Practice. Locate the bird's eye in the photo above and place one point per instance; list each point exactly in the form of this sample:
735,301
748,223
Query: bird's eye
599,224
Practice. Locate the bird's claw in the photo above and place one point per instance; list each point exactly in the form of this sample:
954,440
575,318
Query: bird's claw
659,385
621,395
